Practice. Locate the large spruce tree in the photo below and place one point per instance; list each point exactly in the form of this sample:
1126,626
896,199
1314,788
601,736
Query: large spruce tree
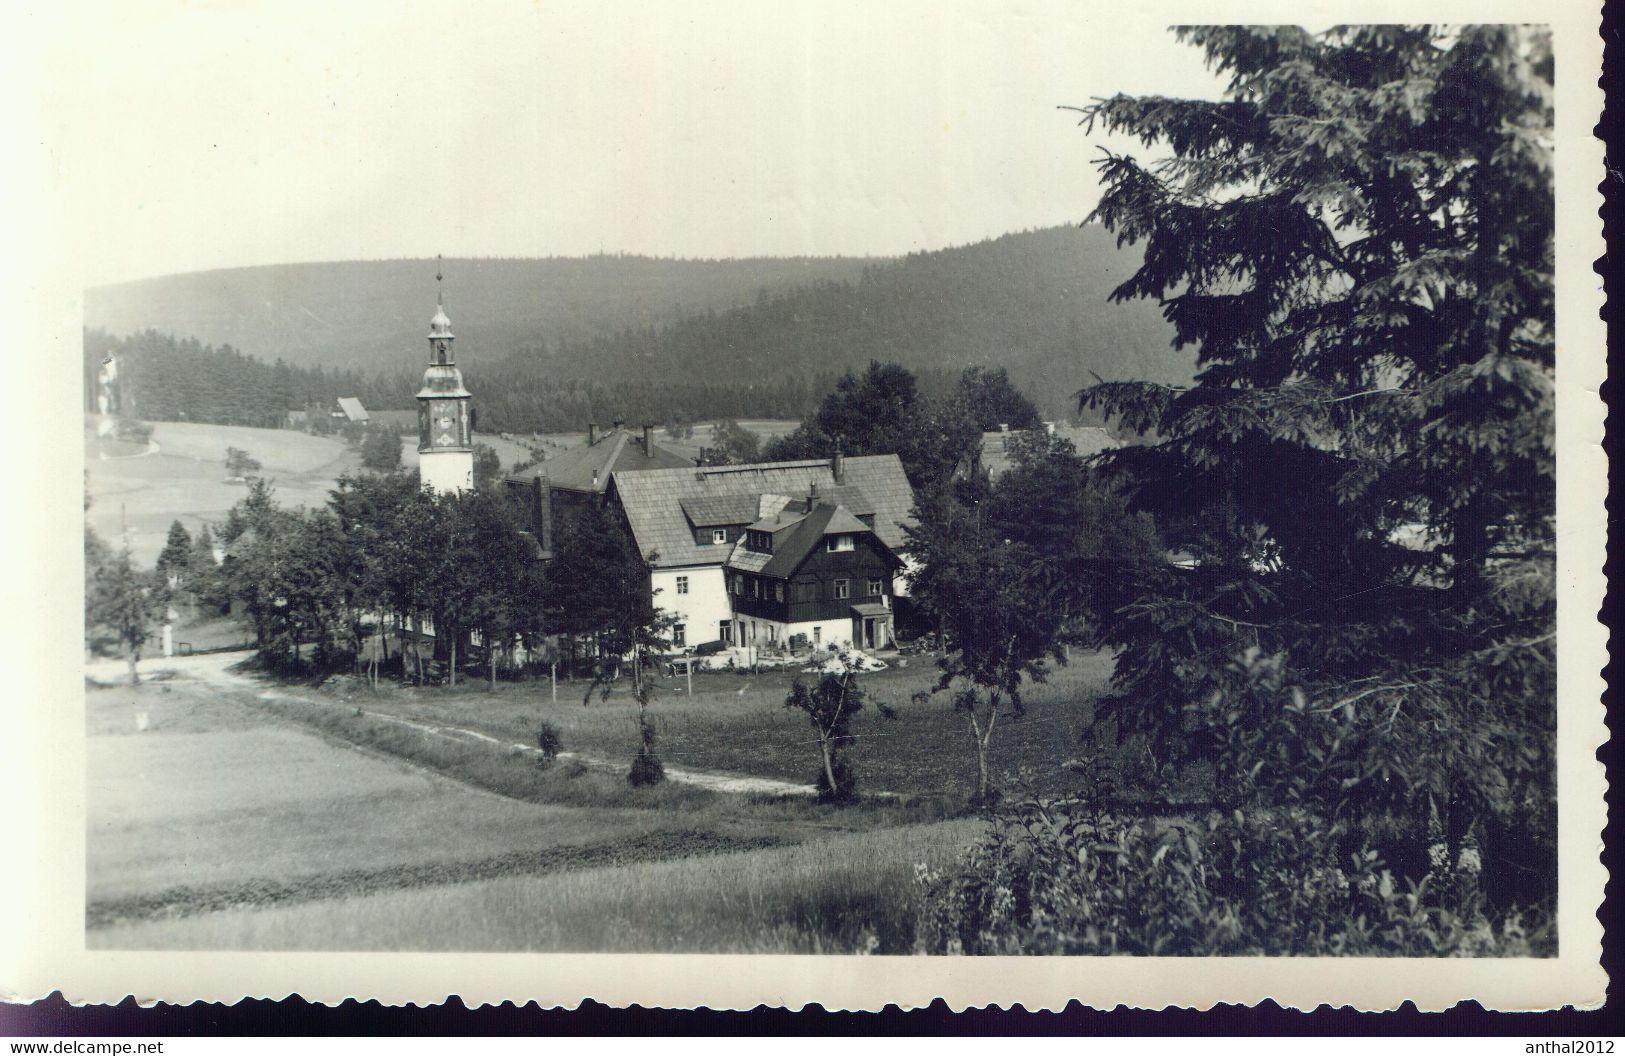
1359,487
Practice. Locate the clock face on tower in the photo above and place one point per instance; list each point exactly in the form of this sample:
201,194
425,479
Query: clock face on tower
445,427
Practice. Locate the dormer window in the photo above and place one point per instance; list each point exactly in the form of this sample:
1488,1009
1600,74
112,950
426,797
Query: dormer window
832,543
759,541
719,536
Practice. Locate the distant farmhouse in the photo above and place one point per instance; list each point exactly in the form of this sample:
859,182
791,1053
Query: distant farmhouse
995,459
773,551
349,408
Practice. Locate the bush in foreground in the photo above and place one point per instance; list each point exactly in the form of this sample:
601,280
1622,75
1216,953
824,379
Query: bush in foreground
647,769
550,743
1049,879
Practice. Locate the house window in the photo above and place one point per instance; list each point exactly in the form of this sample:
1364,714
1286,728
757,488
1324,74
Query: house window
739,586
679,635
818,635
719,535
833,543
755,587
778,592
682,584
876,587
843,589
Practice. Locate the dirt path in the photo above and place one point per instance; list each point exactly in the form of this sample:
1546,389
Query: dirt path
216,669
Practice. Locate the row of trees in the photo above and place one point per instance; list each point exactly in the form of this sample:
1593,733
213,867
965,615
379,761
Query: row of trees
178,379
382,548
164,378
884,411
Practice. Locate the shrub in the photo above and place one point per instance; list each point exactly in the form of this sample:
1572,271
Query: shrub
1062,879
647,768
240,463
551,743
133,430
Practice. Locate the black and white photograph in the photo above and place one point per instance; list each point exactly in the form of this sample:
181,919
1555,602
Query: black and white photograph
982,484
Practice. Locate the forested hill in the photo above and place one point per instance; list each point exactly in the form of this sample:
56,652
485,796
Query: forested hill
1034,302
551,344
373,315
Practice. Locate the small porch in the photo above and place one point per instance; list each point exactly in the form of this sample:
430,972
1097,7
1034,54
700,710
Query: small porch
872,627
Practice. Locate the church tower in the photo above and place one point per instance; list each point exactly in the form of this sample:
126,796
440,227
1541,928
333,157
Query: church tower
445,431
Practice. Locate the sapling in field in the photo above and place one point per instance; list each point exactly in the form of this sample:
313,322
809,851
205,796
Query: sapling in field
830,706
647,768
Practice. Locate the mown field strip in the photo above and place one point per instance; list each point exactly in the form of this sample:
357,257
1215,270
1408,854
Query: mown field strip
851,893
189,901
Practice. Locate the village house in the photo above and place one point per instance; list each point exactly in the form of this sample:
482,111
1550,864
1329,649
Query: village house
993,456
349,409
774,553
577,478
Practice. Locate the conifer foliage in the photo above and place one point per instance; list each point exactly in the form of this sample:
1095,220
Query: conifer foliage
1359,486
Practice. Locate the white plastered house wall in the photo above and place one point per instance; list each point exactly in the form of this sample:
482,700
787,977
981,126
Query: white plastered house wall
899,582
702,608
820,633
447,472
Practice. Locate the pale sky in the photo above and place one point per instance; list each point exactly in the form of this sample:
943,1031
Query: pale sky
197,135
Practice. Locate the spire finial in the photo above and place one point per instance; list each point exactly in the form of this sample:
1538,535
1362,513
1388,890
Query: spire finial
438,297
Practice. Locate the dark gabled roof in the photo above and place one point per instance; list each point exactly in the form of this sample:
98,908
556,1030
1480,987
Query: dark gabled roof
616,451
714,511
657,501
803,535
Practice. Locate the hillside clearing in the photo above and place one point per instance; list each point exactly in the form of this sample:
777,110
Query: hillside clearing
186,479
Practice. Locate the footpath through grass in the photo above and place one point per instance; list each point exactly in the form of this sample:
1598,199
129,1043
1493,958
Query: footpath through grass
233,815
737,723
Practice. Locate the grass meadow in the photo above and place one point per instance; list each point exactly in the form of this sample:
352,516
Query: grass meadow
186,479
195,800
737,723
236,817
850,893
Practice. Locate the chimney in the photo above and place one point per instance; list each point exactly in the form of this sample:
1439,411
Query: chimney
648,439
544,514
592,433
837,465
812,496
